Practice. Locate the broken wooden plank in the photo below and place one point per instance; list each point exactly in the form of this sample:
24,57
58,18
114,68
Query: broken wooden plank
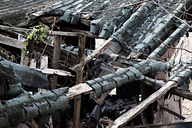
33,64
181,93
12,42
58,72
95,53
126,117
79,89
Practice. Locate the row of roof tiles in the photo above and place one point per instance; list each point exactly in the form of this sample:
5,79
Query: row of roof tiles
138,28
32,106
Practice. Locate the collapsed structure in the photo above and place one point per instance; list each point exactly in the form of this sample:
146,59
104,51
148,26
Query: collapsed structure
141,37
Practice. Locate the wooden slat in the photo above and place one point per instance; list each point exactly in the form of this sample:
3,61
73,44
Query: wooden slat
12,42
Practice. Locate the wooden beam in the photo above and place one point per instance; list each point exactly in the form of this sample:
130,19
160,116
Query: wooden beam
56,52
16,29
95,53
79,79
49,71
179,92
61,33
86,33
129,115
12,42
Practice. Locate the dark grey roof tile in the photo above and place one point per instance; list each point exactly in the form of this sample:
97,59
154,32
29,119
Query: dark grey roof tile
97,89
171,40
121,79
136,72
107,85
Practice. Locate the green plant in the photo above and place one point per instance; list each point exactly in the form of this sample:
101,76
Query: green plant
38,34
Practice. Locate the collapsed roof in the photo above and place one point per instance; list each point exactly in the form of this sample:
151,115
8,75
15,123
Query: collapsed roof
143,30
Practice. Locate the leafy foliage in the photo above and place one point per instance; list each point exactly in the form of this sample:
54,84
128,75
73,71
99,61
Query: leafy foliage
39,34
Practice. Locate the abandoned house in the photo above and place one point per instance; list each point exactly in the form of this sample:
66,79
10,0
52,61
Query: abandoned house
95,63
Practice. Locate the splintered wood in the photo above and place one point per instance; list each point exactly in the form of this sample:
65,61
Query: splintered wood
79,89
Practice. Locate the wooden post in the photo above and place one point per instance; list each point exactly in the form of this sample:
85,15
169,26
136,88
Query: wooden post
56,58
79,79
31,45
